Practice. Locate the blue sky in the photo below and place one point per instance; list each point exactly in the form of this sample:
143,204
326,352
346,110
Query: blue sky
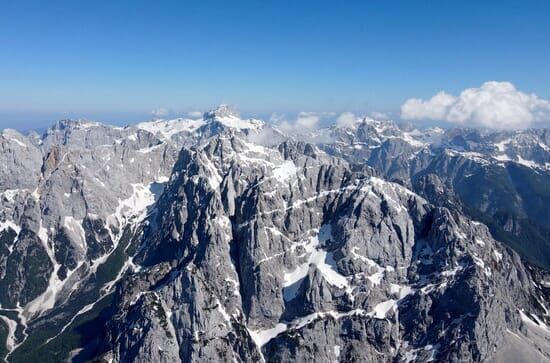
116,61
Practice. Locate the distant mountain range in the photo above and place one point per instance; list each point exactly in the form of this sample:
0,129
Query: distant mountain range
229,239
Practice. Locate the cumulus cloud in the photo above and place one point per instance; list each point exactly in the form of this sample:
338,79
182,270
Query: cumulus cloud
308,120
279,120
346,119
194,114
160,112
496,105
266,137
304,121
303,127
379,115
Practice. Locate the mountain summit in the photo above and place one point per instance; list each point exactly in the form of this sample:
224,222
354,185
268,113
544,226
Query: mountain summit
222,111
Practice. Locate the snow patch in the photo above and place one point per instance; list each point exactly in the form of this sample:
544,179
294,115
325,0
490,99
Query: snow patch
324,262
12,327
285,171
10,194
261,337
224,313
527,163
533,320
150,149
214,178
337,351
9,224
47,299
381,310
168,128
75,231
503,157
401,290
378,275
136,205
501,146
12,135
480,242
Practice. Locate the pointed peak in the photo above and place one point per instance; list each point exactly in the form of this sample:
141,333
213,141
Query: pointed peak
222,111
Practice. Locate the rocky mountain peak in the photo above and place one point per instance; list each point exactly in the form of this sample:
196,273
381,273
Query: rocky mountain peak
222,111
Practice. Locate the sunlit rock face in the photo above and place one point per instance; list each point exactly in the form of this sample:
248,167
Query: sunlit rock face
225,239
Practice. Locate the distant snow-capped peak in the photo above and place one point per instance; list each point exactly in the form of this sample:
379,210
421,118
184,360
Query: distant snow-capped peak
223,114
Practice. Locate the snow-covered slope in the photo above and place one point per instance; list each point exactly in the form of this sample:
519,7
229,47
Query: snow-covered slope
168,128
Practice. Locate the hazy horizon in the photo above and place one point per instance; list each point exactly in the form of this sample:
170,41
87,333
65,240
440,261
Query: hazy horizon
118,62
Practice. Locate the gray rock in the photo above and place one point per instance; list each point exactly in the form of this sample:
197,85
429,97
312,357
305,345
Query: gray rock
223,239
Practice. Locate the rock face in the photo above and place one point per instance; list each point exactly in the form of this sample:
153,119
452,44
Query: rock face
291,255
187,240
497,178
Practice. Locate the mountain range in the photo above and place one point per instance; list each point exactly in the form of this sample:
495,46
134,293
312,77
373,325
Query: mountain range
230,239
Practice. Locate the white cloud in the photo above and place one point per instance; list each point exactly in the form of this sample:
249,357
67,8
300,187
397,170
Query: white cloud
160,112
266,137
194,114
379,116
497,105
346,119
435,108
277,118
281,121
304,121
308,120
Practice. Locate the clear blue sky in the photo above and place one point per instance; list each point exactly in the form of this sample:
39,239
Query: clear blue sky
117,60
